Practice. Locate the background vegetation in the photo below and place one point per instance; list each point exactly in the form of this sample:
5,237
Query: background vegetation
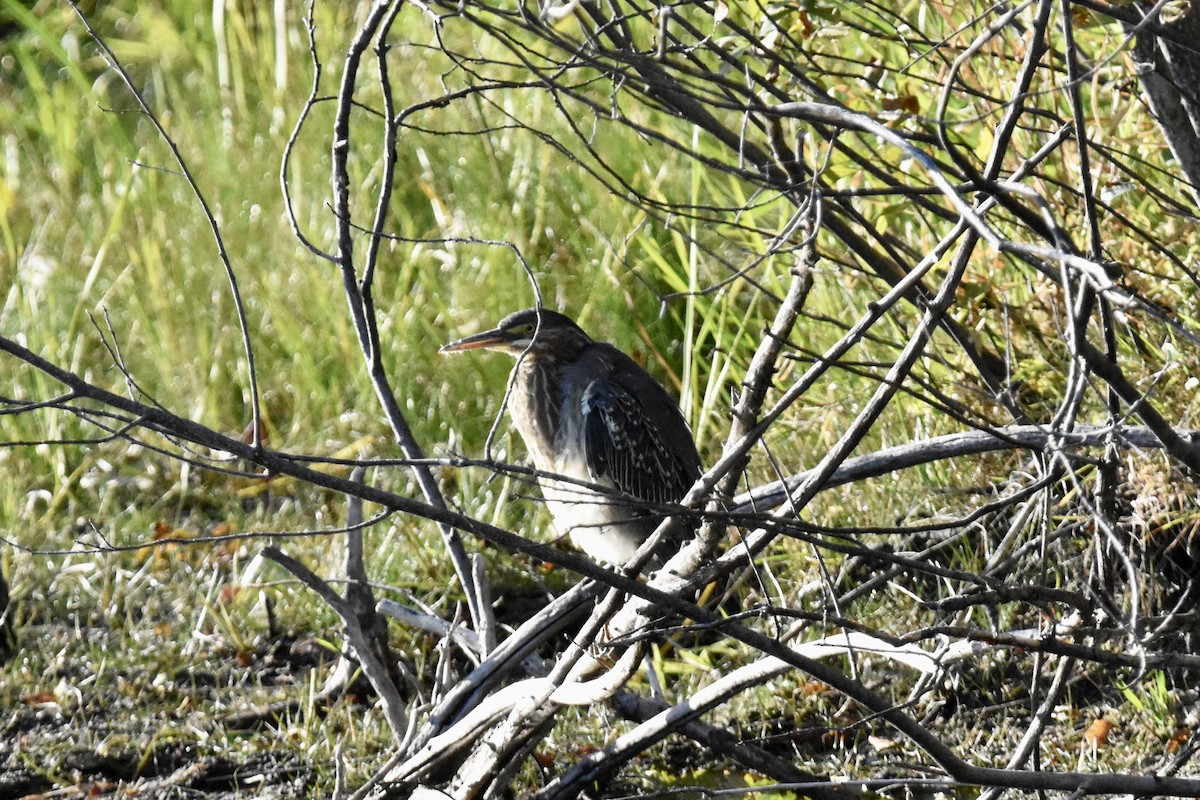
150,627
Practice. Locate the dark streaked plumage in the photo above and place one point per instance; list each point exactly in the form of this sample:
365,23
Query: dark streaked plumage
587,411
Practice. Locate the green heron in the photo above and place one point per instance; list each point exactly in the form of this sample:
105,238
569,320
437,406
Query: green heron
588,412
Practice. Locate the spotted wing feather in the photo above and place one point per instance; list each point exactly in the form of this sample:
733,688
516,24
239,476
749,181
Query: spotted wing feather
635,436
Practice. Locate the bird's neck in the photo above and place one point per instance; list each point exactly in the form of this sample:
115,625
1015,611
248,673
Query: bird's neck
537,405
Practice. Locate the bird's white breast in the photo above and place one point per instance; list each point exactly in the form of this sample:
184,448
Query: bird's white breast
597,523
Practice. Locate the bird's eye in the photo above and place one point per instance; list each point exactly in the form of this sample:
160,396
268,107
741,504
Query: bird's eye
528,327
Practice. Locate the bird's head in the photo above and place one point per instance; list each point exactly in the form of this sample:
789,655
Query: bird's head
540,332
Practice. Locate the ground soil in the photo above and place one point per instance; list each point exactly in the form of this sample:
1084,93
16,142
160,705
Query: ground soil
126,731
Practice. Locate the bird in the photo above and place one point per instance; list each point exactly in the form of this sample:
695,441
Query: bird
589,413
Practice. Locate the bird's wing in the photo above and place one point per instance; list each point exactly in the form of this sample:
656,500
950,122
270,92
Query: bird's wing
635,436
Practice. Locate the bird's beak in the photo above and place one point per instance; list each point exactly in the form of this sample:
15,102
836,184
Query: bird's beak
492,338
